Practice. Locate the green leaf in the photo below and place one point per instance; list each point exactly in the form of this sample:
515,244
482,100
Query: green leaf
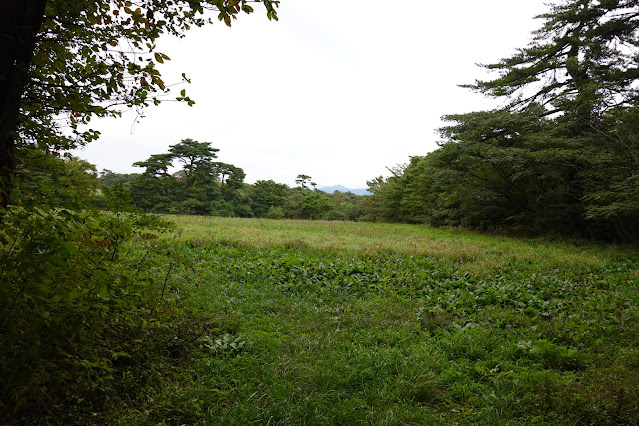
104,293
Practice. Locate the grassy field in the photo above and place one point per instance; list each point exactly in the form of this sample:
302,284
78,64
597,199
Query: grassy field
358,323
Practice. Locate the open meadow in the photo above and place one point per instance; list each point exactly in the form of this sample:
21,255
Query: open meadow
360,323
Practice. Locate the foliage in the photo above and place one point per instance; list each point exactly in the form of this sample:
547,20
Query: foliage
195,156
394,324
201,187
157,165
46,179
77,300
581,61
90,57
611,174
109,178
304,181
520,172
313,205
560,158
205,187
267,194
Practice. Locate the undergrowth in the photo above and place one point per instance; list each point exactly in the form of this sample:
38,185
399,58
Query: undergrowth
283,322
88,323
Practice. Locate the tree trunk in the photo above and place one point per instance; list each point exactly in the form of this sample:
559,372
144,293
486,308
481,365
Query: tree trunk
20,21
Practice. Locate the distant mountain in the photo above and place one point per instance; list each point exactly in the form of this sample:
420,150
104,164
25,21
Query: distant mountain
341,188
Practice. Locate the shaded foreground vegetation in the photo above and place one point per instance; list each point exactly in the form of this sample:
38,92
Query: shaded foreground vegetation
321,323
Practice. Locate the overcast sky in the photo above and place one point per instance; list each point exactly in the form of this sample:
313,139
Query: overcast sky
337,89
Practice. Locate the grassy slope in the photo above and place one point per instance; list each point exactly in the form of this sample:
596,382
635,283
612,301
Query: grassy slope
321,323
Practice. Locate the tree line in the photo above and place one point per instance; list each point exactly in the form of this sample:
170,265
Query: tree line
205,186
201,186
560,158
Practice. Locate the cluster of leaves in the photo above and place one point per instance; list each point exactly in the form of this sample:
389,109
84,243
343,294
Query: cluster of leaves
561,158
207,187
46,179
92,57
84,309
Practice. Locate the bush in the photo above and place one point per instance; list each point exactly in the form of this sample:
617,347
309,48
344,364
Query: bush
82,300
275,212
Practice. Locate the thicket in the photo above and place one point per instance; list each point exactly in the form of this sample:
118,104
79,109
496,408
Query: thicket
91,321
561,158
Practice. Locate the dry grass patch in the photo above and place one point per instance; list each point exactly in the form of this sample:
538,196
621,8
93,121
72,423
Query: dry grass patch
477,254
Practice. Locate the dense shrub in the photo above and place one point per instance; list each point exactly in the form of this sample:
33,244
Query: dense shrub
83,307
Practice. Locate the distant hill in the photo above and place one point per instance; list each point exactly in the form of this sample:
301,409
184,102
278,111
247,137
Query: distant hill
340,188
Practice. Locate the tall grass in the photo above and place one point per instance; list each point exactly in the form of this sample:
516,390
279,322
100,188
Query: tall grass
359,323
473,252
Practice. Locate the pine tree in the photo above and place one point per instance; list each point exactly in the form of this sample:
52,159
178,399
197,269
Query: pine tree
581,62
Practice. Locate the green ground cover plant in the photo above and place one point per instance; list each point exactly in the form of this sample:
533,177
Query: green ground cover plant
347,323
88,327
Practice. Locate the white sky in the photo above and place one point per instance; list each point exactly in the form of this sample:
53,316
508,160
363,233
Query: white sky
337,89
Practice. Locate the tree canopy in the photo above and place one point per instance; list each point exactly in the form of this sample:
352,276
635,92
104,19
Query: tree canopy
65,62
582,60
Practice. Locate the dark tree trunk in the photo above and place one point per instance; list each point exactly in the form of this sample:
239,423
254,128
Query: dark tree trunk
20,21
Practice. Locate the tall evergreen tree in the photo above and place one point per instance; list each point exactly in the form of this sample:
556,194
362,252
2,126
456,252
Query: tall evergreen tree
157,165
561,156
582,61
195,156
